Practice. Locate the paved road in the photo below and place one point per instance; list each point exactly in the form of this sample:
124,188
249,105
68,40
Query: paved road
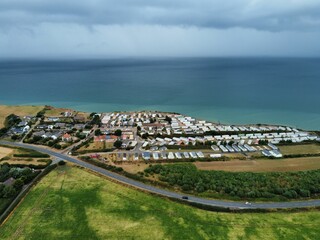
136,184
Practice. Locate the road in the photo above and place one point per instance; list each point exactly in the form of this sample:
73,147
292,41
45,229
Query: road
166,193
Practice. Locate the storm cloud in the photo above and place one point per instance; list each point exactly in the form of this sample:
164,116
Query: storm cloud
159,28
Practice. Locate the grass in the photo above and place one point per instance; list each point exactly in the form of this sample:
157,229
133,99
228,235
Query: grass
300,149
93,146
71,203
17,110
134,168
56,112
283,165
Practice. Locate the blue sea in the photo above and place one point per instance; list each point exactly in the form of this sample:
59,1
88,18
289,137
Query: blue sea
227,90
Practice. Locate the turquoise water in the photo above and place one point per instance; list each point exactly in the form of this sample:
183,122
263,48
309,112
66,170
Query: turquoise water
229,90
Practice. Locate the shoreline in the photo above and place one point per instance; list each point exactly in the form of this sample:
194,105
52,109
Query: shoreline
200,114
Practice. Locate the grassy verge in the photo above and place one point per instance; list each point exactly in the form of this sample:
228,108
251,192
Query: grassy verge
71,203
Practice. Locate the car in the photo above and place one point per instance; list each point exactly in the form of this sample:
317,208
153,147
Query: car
247,203
185,197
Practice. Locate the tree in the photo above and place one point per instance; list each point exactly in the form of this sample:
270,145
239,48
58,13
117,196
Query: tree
117,144
36,138
97,132
61,163
14,137
8,192
92,114
168,119
57,146
11,120
145,135
118,132
96,120
41,113
18,184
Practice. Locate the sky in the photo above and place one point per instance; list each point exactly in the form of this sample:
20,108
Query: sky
158,28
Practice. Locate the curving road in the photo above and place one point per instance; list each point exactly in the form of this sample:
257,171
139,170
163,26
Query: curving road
166,193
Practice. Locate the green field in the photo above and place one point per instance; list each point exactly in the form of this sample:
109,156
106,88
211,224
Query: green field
71,203
300,149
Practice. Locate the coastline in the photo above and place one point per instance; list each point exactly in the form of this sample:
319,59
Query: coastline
301,120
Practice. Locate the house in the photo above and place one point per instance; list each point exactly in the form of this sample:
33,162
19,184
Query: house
100,138
42,126
59,125
67,114
79,126
79,118
146,155
53,136
47,135
22,124
111,138
40,133
66,137
26,128
53,119
9,182
56,135
16,130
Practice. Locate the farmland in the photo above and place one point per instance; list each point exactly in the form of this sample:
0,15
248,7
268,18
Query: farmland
5,151
71,203
22,156
283,165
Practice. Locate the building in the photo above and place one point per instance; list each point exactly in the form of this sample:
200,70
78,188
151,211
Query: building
66,137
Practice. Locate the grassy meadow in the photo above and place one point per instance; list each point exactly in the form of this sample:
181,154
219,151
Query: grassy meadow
71,203
17,110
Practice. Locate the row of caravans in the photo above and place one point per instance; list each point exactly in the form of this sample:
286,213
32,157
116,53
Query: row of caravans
171,155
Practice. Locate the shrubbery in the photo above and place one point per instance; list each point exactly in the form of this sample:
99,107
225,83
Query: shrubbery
32,155
288,185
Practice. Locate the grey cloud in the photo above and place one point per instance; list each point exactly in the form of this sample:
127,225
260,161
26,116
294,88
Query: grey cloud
108,28
272,15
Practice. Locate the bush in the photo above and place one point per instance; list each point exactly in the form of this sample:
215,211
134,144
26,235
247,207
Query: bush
117,144
32,155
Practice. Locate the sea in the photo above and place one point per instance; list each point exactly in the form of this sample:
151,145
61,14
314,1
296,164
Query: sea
227,90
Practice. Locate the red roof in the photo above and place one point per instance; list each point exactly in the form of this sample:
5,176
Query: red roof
66,135
99,138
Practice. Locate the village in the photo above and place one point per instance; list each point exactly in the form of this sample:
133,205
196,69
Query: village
151,135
